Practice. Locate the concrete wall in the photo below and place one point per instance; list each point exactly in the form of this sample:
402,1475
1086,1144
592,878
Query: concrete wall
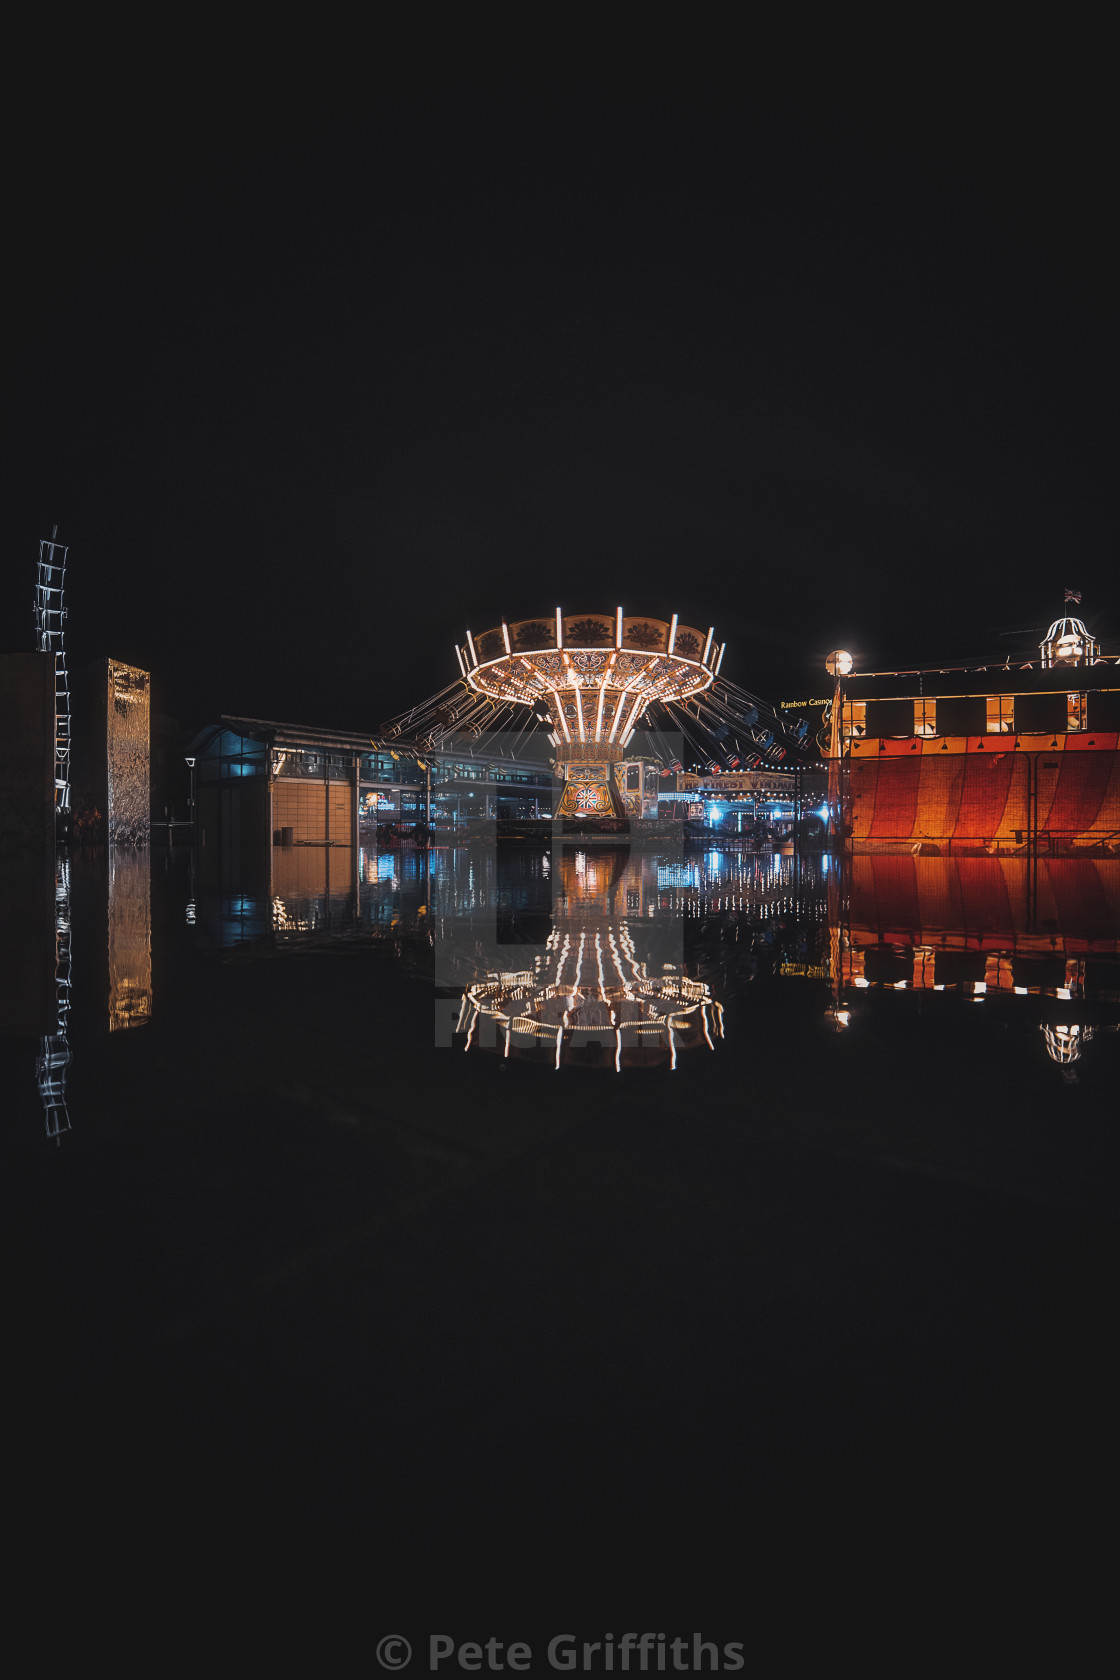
111,754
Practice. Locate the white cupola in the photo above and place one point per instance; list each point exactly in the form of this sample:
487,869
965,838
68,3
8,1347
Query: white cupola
1067,642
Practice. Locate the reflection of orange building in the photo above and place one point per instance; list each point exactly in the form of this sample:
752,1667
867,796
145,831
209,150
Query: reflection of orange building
982,760
985,928
1002,924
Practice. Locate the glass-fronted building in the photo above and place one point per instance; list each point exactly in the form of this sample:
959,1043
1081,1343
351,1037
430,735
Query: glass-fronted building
736,801
259,784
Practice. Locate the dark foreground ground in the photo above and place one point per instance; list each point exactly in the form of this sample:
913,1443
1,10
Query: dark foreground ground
302,1296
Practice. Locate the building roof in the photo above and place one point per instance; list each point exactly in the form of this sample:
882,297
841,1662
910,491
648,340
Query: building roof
294,737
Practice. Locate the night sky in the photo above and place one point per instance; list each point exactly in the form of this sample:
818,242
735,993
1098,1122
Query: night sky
310,383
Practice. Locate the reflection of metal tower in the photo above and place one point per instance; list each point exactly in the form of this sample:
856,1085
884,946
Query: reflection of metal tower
50,616
54,1050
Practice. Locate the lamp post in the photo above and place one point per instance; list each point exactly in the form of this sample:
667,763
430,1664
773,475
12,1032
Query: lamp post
839,664
190,765
425,764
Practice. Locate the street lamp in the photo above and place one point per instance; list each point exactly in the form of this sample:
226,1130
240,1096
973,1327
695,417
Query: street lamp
190,763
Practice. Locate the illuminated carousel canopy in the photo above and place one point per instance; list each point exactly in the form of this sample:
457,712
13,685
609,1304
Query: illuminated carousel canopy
591,680
597,676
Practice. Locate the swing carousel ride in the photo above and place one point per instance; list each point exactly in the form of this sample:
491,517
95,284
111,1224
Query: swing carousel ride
587,682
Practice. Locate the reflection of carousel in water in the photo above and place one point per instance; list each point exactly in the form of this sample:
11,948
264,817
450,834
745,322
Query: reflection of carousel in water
592,999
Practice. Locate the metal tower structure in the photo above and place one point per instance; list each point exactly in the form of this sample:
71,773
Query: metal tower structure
50,621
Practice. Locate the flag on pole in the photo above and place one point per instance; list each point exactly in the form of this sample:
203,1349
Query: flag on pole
1074,595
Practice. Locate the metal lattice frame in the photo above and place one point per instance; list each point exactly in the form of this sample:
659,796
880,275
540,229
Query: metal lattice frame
50,620
54,1049
50,637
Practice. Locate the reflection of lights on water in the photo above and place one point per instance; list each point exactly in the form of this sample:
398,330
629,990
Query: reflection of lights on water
191,913
678,875
1064,1044
130,944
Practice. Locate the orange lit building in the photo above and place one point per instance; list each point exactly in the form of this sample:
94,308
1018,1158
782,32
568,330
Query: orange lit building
994,760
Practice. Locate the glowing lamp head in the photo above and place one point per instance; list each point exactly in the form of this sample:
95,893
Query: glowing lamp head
838,663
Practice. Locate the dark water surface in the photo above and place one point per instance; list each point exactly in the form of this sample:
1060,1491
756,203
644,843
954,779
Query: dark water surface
297,1272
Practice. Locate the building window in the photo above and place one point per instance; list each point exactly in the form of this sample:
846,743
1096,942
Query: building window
894,718
1000,710
1041,713
854,720
925,717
